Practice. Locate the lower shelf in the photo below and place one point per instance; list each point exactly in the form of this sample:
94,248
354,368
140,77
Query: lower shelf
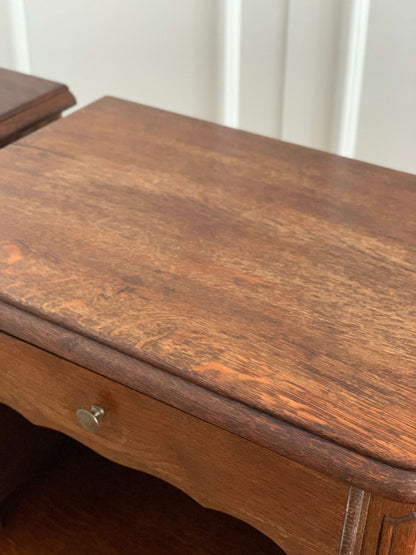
87,504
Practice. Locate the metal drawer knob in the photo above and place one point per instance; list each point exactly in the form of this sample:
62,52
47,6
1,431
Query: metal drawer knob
90,419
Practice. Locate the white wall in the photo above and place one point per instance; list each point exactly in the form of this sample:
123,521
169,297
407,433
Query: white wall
160,53
6,54
263,58
291,78
310,71
387,124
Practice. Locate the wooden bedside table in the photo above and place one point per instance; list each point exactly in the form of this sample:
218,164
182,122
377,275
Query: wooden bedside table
28,103
232,314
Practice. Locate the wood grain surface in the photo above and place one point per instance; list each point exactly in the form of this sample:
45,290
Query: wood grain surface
28,102
354,522
271,274
285,439
390,529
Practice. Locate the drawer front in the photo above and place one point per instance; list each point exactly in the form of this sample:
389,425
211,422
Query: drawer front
302,510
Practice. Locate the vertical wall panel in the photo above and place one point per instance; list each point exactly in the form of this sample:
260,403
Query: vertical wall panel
311,71
160,53
170,54
6,53
262,65
230,54
351,56
387,124
19,36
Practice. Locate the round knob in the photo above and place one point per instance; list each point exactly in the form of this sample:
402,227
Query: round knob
90,419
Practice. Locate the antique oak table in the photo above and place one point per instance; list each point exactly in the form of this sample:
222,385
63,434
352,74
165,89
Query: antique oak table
230,313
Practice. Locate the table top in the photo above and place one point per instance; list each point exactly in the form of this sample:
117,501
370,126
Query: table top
276,276
25,100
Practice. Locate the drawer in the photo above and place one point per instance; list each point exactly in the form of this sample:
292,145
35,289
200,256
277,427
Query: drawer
302,510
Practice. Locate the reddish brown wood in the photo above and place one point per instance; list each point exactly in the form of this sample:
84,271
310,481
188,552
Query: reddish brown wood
69,511
27,103
301,510
391,528
271,274
263,287
354,522
398,535
277,436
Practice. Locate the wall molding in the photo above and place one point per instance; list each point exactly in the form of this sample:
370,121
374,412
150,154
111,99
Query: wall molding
352,49
231,52
19,37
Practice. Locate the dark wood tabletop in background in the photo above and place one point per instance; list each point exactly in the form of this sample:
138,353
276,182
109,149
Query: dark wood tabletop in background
272,275
28,102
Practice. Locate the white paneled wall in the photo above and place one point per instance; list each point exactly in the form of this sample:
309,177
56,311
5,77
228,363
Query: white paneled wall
6,53
337,75
229,68
387,123
161,53
263,58
310,71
